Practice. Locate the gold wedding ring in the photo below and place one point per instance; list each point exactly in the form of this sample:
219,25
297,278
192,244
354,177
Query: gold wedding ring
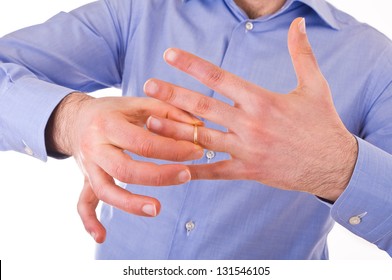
195,134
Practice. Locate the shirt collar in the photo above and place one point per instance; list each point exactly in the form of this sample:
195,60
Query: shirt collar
321,7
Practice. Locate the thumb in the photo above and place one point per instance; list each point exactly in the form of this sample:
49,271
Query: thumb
87,204
304,62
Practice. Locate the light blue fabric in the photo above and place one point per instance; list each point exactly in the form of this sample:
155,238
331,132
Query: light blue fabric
119,43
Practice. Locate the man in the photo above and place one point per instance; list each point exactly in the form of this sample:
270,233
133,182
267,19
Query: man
288,163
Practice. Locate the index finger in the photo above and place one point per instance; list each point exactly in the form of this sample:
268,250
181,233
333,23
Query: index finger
211,75
106,190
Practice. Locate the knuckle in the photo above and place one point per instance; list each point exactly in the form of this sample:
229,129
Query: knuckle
203,105
157,180
121,172
139,116
225,141
324,86
128,203
100,192
307,50
98,124
215,76
170,94
84,214
205,137
188,66
81,208
146,148
86,139
176,155
195,174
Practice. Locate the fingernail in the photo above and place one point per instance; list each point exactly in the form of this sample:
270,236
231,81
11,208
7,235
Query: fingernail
93,235
153,123
302,26
199,152
198,122
151,87
150,210
184,176
170,55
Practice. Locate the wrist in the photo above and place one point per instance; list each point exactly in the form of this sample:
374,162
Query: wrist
342,170
59,132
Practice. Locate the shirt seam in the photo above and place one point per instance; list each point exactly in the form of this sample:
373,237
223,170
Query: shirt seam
117,28
368,87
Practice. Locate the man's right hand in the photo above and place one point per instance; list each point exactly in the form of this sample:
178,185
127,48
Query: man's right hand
98,131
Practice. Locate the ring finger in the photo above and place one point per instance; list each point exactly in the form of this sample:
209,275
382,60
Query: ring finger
207,138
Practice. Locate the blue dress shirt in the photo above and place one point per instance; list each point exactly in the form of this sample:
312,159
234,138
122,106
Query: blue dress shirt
119,43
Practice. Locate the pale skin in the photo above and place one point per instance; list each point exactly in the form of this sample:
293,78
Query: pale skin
288,150
271,138
96,132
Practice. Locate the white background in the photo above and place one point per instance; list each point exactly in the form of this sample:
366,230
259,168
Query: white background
38,218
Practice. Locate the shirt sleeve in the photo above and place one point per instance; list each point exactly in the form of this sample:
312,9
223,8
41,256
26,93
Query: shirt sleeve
77,51
365,207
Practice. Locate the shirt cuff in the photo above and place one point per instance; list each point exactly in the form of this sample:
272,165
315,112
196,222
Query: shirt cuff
25,110
365,207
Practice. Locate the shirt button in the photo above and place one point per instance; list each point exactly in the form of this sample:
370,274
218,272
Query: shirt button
190,226
210,155
355,220
28,150
249,26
